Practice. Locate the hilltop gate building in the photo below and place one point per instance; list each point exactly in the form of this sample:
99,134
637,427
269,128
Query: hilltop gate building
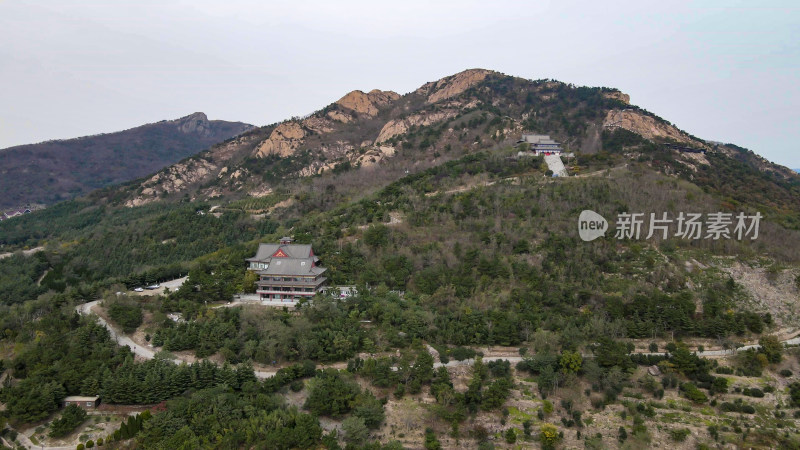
287,272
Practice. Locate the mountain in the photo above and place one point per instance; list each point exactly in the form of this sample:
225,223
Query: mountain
460,243
52,171
385,134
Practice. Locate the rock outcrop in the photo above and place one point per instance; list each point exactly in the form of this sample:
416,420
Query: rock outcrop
340,116
283,141
191,172
646,126
396,127
453,85
368,104
196,123
617,95
174,179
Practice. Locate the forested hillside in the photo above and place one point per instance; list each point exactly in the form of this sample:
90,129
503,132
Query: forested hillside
481,319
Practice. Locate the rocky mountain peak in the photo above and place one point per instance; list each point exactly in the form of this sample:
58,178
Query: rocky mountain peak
453,85
196,123
368,103
618,95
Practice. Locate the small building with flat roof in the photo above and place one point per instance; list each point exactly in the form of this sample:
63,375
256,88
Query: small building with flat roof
85,402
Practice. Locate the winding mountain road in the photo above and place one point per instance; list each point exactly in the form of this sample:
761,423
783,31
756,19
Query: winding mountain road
146,353
139,350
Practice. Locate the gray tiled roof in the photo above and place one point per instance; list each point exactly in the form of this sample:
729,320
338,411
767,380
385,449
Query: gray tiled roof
290,266
265,251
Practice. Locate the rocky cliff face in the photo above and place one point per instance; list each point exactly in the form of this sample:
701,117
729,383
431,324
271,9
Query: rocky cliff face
188,173
646,126
617,95
283,141
196,123
451,86
289,136
367,104
399,126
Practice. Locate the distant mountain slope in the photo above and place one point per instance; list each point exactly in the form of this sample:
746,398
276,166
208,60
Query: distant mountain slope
365,138
52,171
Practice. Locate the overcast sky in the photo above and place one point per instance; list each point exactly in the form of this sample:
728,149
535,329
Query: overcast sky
721,70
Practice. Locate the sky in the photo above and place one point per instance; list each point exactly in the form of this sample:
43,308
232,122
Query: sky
722,70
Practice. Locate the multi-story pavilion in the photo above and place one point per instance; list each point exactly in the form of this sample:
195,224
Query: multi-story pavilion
287,272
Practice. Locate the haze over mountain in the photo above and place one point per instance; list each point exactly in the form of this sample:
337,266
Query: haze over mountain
52,171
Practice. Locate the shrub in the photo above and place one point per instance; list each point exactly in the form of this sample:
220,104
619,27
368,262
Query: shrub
526,428
548,435
431,442
355,431
719,385
680,434
753,392
786,373
794,393
72,416
331,394
692,393
511,436
737,406
622,435
127,315
462,353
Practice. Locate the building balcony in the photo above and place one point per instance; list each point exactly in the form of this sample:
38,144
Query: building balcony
293,282
291,293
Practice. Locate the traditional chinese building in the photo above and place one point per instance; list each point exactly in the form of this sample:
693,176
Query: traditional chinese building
287,272
541,144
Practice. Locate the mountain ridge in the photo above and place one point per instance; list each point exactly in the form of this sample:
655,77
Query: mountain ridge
362,130
55,170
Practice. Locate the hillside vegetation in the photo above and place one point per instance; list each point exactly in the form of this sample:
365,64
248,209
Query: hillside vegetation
482,320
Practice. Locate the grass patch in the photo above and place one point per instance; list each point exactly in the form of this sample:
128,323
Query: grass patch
518,415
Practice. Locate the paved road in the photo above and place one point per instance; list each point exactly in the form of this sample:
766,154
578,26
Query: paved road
173,285
147,353
137,349
556,165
